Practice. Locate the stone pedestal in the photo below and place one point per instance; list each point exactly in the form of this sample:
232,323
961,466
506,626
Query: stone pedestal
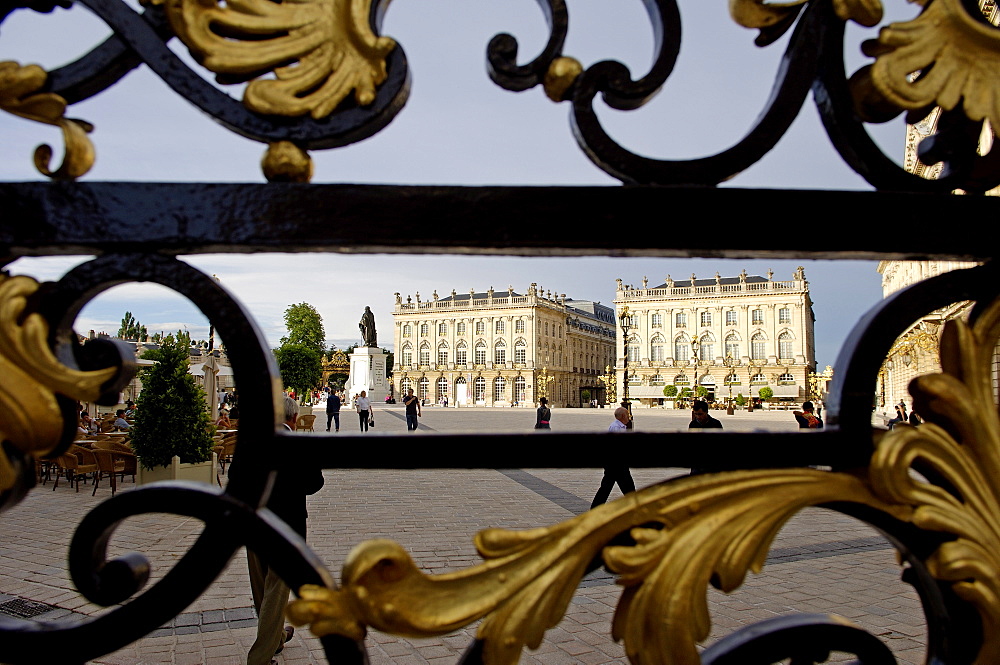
368,373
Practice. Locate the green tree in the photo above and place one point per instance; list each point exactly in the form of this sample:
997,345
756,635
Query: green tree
301,368
305,327
670,391
171,418
701,391
766,393
740,399
389,361
131,329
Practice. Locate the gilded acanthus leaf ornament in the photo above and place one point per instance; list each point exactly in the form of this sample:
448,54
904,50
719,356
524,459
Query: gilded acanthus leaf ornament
30,417
714,527
761,14
960,442
319,50
19,94
958,58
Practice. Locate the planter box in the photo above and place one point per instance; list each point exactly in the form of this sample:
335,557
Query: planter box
202,472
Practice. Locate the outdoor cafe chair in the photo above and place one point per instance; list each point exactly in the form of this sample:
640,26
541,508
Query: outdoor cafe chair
126,457
111,463
305,424
77,463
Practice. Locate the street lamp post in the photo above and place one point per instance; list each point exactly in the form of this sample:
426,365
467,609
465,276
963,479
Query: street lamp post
730,363
695,346
625,320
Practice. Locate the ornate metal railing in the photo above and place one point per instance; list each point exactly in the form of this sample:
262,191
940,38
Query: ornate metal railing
664,541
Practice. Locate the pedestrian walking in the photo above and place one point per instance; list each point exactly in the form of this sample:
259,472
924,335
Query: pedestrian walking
617,472
270,593
333,411
412,410
543,415
364,409
700,418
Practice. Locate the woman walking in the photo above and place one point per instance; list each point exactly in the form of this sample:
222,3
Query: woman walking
364,408
543,415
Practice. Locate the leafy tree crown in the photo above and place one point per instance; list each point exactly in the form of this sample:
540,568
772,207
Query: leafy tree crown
171,418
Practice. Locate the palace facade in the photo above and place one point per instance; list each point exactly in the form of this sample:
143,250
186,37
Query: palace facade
731,335
502,348
915,352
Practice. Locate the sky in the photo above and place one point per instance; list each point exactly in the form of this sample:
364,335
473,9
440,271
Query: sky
459,128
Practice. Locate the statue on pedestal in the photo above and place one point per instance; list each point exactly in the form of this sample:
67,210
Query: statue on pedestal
367,325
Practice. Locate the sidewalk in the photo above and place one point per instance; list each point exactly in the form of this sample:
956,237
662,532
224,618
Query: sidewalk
821,562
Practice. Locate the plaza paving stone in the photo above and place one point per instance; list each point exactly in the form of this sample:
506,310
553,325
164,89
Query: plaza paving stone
822,561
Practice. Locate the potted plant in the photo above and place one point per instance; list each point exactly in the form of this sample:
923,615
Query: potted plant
171,435
765,393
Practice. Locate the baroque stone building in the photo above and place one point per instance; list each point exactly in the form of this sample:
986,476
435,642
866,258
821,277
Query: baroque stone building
502,348
683,333
915,352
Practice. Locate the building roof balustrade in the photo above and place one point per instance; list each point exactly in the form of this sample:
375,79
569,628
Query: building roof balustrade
665,293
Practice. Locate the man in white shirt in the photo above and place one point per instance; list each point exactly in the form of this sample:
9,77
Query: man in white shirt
364,408
620,423
617,473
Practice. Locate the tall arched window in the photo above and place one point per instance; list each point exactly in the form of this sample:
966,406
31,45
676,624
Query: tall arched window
442,389
462,353
425,388
405,384
407,355
500,353
758,347
632,349
682,348
706,348
442,354
786,346
479,389
520,352
480,352
656,352
499,389
520,389
425,354
733,345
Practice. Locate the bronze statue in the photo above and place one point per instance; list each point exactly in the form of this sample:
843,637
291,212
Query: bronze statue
367,325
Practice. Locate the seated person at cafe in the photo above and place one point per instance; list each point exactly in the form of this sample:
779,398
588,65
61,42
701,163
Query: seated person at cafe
223,422
120,423
87,425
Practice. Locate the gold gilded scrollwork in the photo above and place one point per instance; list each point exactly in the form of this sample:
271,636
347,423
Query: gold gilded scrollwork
31,419
715,527
760,14
958,56
319,50
19,86
960,442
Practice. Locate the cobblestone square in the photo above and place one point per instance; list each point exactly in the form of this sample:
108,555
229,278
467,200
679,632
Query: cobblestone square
821,561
